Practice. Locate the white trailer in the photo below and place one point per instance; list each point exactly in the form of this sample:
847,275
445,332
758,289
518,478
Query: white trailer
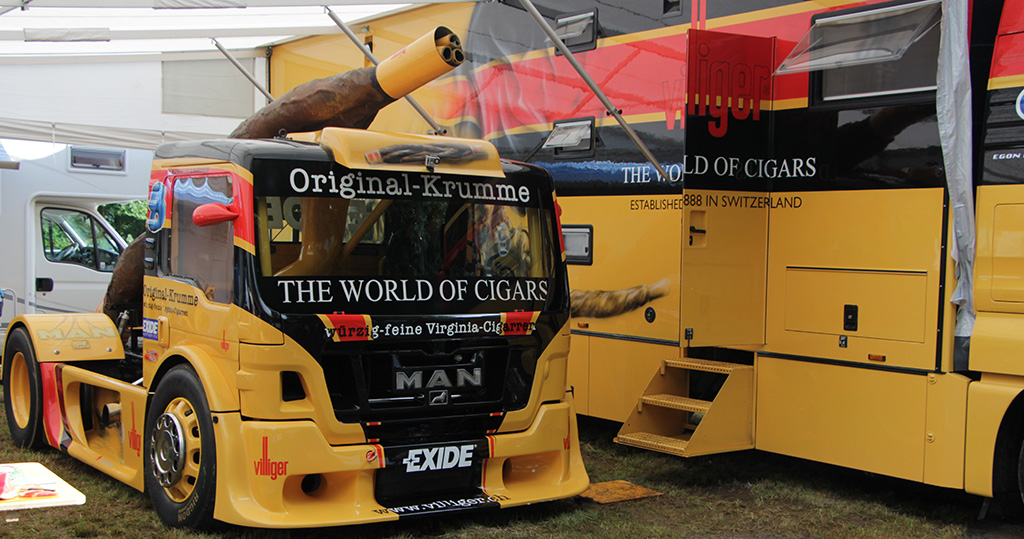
59,251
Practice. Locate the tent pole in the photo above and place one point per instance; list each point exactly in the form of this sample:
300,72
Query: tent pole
242,69
612,111
438,130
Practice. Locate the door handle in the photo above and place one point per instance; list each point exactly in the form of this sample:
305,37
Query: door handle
695,230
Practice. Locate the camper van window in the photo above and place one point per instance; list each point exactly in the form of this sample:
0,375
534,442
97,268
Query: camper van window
97,159
74,237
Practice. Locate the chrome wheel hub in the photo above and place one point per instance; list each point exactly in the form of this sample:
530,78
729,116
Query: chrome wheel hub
168,454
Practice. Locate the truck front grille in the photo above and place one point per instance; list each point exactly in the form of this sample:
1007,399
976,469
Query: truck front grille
412,386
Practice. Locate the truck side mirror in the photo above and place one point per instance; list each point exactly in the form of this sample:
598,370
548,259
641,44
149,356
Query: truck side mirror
213,213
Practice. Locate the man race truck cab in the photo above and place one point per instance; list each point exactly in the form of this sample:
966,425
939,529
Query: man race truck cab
335,328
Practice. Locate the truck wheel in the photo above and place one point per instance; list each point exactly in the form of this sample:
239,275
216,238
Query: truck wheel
181,456
23,391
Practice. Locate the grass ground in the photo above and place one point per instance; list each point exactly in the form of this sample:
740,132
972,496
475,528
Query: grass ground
740,495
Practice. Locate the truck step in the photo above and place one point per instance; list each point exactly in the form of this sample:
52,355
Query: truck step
676,402
674,445
705,365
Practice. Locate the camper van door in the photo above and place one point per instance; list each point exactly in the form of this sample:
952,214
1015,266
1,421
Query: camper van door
76,258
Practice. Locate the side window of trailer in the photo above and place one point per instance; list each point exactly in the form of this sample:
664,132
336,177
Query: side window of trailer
869,52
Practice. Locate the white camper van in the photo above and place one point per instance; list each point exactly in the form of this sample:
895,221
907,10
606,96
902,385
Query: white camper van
58,251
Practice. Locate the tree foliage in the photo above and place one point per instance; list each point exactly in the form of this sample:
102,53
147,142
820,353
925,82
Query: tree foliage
128,218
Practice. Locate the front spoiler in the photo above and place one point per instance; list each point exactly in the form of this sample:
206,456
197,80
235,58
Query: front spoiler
262,465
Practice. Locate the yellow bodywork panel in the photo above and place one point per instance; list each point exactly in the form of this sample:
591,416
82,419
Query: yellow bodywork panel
115,449
996,343
578,375
895,296
259,391
543,462
359,149
999,281
822,265
72,337
203,332
549,384
625,314
651,236
946,430
999,271
859,418
1008,253
260,467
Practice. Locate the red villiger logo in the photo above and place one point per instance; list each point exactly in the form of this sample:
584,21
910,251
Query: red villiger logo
134,438
267,467
726,76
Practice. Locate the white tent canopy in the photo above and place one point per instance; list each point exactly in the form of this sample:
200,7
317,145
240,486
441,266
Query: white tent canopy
135,73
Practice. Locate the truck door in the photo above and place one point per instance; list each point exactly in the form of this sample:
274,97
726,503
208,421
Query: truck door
725,195
74,260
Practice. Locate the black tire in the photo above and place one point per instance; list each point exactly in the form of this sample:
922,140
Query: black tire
180,451
1020,477
23,391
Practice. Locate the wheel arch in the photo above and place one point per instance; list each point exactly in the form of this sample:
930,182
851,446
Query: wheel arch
995,431
221,393
15,324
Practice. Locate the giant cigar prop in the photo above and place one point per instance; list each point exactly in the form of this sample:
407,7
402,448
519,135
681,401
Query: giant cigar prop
351,99
602,303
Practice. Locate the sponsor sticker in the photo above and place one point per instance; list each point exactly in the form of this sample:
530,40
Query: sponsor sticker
150,329
439,458
482,500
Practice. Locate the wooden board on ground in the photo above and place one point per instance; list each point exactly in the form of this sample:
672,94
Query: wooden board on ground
617,491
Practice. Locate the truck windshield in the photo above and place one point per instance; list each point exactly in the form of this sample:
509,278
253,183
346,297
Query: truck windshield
406,253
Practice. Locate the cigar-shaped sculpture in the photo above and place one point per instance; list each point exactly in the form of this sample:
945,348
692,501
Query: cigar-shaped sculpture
353,98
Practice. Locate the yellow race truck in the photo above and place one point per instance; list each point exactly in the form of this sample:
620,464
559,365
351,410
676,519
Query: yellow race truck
335,327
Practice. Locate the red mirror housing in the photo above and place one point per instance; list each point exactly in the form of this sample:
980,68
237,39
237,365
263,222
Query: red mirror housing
213,213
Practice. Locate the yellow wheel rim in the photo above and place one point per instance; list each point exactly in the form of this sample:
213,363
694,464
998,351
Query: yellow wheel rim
177,446
21,389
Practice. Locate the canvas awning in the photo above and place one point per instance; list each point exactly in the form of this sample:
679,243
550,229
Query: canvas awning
135,73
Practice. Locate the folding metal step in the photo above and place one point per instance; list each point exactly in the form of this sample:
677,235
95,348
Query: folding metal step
676,402
705,365
675,445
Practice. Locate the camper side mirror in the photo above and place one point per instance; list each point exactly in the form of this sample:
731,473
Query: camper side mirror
213,213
